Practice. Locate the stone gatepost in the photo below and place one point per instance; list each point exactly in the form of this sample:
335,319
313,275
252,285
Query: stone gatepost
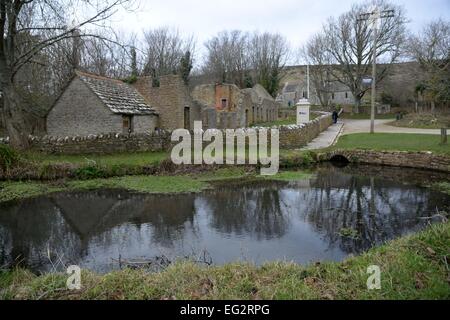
303,111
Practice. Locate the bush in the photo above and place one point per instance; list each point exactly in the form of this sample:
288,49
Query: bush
8,157
92,172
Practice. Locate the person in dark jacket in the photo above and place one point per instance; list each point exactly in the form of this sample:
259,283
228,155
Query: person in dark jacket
335,115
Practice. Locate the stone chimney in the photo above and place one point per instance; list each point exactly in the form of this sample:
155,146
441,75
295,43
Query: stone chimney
76,45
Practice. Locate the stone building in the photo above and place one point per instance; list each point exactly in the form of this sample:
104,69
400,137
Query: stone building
92,104
227,106
97,105
172,101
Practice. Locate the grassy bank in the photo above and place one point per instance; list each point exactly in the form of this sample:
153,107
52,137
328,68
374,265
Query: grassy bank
393,142
423,121
184,183
414,267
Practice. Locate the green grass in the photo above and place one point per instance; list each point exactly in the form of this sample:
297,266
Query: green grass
19,190
423,121
135,159
412,267
393,142
366,116
442,187
186,183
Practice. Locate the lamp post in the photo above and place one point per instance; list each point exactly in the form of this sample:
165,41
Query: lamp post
374,18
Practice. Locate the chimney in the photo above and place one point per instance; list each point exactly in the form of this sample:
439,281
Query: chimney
76,45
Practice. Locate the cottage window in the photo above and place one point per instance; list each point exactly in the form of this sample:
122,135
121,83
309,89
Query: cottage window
224,103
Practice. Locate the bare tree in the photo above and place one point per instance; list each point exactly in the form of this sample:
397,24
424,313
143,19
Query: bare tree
350,44
165,49
243,59
227,59
109,56
315,54
46,22
269,54
431,49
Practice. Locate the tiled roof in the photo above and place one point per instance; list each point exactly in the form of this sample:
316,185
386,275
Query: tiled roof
118,96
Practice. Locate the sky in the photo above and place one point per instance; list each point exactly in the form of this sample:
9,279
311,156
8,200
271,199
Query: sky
297,20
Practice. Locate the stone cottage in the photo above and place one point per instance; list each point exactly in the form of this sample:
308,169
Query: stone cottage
227,106
91,104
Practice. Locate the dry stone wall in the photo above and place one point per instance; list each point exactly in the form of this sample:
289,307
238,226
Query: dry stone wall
291,137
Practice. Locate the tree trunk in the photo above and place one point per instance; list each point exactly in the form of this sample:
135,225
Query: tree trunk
13,116
357,104
433,107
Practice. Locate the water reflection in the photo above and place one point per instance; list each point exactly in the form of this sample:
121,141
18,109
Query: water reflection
300,221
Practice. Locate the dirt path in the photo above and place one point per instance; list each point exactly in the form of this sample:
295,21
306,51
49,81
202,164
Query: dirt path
361,126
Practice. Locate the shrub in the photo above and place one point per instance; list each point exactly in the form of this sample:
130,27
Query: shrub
8,157
91,172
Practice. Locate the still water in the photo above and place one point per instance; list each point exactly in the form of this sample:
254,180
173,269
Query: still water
336,213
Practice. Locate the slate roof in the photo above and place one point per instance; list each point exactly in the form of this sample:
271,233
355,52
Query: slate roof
118,96
291,88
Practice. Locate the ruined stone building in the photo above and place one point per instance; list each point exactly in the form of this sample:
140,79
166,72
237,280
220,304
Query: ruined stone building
91,104
227,106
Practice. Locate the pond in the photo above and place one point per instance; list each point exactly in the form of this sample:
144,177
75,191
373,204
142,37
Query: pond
338,212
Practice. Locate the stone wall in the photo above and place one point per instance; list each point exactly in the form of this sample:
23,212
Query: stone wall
102,144
291,137
170,100
89,116
294,137
418,160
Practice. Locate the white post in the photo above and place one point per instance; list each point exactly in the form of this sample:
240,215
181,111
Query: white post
303,111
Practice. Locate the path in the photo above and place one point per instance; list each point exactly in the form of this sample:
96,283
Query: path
348,126
326,138
361,126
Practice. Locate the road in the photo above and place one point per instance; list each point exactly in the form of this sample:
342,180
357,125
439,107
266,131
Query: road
361,126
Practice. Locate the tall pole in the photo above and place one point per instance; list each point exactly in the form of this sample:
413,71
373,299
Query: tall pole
374,72
307,77
375,16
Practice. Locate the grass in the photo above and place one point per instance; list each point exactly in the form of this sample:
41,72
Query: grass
393,142
423,121
442,187
119,159
413,267
187,183
366,116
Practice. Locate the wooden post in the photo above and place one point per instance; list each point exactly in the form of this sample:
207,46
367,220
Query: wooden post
444,136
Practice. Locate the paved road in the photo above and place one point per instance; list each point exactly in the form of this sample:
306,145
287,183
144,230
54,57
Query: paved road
360,126
326,138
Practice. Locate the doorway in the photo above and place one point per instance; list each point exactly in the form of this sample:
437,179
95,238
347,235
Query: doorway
187,118
127,124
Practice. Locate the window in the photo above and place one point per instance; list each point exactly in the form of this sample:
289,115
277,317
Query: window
346,95
332,96
224,103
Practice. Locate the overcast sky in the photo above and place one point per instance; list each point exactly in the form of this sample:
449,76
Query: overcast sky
295,19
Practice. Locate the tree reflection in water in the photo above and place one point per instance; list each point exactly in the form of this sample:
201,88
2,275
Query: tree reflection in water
273,220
